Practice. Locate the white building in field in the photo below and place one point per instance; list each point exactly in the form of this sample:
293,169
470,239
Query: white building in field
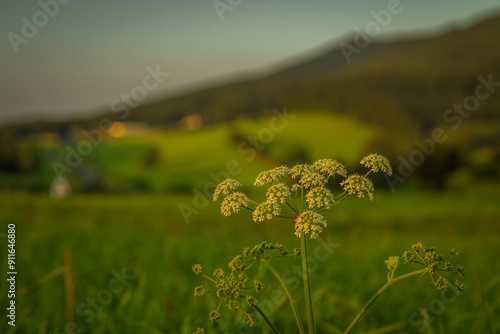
60,188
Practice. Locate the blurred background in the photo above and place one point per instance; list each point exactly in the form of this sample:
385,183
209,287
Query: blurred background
118,118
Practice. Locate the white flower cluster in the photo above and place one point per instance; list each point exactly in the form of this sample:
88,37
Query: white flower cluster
377,163
311,180
314,196
225,188
271,176
278,193
299,170
309,222
266,210
319,198
317,174
329,167
358,185
233,202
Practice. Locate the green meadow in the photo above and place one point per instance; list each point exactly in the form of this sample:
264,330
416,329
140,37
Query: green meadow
119,261
172,160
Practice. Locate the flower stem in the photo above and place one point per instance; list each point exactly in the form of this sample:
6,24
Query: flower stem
302,201
307,286
292,206
289,295
264,316
378,293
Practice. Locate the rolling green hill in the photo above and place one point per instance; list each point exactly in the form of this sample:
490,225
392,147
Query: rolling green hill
177,161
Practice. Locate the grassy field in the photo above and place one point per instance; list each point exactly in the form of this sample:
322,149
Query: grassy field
131,248
145,236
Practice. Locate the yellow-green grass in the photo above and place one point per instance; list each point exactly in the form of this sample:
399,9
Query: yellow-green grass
146,235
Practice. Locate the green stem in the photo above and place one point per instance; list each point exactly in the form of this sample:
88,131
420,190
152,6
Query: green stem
289,295
307,286
341,197
264,316
378,293
254,202
246,207
292,206
301,205
209,278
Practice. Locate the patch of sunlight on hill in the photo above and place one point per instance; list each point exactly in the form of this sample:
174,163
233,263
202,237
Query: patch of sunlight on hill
318,134
194,154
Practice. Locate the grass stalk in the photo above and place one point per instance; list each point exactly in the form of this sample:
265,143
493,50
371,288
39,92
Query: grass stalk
378,293
289,295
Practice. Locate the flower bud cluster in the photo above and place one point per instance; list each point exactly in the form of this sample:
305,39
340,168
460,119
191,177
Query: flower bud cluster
435,264
232,287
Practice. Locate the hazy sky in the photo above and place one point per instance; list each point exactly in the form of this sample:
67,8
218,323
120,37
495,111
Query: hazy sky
86,53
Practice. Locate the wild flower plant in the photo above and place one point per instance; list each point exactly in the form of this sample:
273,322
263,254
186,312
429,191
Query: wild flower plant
301,193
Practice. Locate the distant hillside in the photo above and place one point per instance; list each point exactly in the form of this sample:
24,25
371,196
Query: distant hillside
405,84
404,87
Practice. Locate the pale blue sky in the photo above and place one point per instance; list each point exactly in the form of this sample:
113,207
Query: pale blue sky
93,51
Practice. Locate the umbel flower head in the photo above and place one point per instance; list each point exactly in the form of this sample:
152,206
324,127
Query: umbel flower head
319,197
199,291
225,188
392,263
301,192
309,222
299,170
312,179
197,269
358,185
266,210
278,193
272,176
233,202
433,262
377,163
329,167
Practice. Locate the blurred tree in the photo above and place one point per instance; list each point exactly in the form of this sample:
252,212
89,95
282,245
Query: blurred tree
17,155
152,157
7,151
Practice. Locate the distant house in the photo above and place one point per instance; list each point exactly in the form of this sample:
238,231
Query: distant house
124,129
191,122
60,188
48,138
